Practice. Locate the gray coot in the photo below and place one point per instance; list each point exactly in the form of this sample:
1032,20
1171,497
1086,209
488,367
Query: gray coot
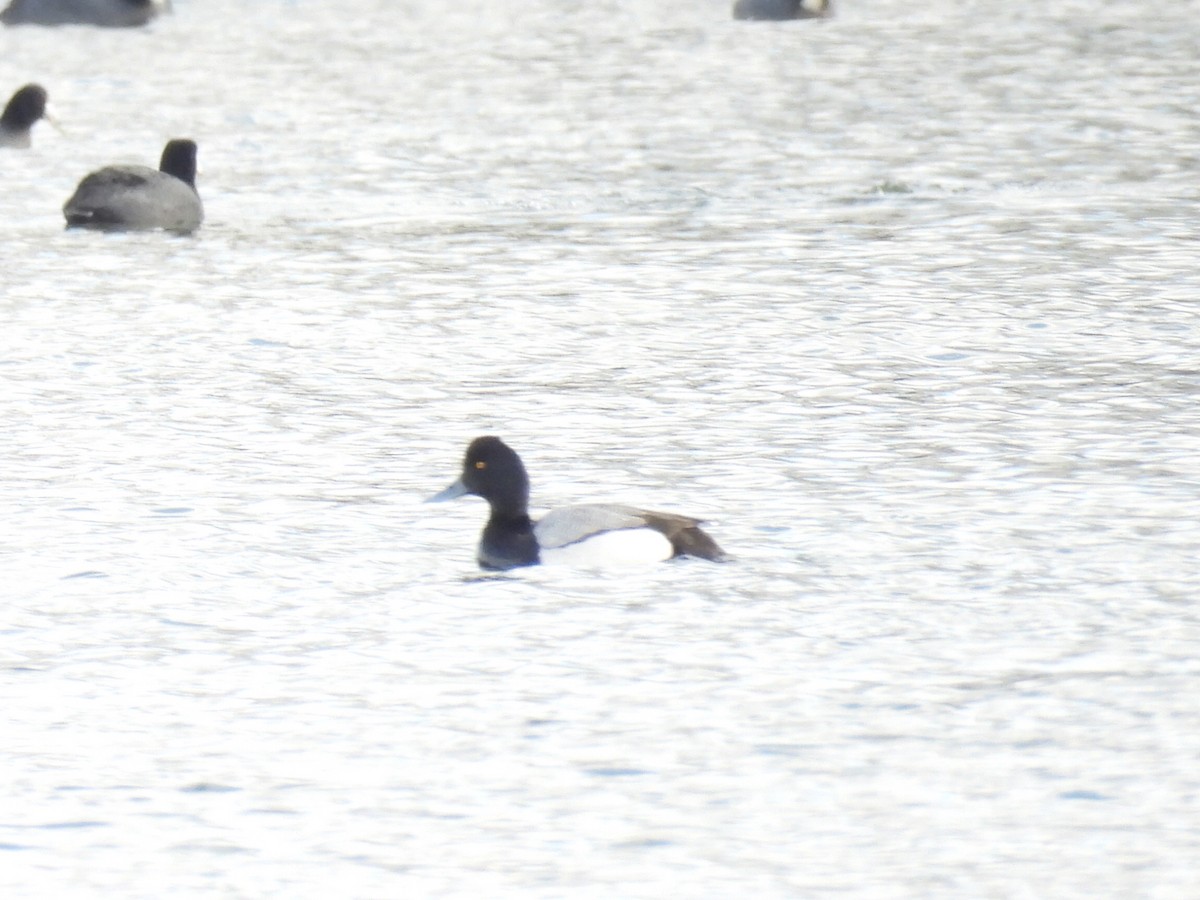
133,198
107,13
779,10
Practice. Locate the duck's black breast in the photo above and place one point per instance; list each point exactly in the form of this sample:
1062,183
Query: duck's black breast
507,543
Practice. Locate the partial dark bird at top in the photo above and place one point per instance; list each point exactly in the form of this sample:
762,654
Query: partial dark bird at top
779,10
138,198
26,107
106,13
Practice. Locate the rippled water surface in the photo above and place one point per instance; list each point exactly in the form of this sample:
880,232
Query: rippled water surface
903,303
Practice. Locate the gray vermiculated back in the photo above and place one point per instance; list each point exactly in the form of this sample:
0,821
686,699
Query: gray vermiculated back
569,524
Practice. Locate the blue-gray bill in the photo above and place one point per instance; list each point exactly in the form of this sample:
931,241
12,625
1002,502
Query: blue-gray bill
455,490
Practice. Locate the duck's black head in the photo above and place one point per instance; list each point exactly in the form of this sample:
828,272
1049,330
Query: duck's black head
493,471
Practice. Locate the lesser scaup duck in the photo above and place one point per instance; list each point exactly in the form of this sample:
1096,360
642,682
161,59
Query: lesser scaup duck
493,471
107,13
138,198
26,107
778,10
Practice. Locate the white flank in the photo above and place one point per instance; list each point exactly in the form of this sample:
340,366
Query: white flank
613,549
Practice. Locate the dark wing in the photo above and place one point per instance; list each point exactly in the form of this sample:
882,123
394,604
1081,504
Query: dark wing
685,535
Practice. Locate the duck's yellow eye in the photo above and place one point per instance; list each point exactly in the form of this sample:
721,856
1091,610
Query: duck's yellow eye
481,465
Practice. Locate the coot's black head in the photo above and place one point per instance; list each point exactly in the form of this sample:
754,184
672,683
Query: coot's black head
26,107
179,159
493,471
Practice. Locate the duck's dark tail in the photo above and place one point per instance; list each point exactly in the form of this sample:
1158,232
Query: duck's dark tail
695,542
686,536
